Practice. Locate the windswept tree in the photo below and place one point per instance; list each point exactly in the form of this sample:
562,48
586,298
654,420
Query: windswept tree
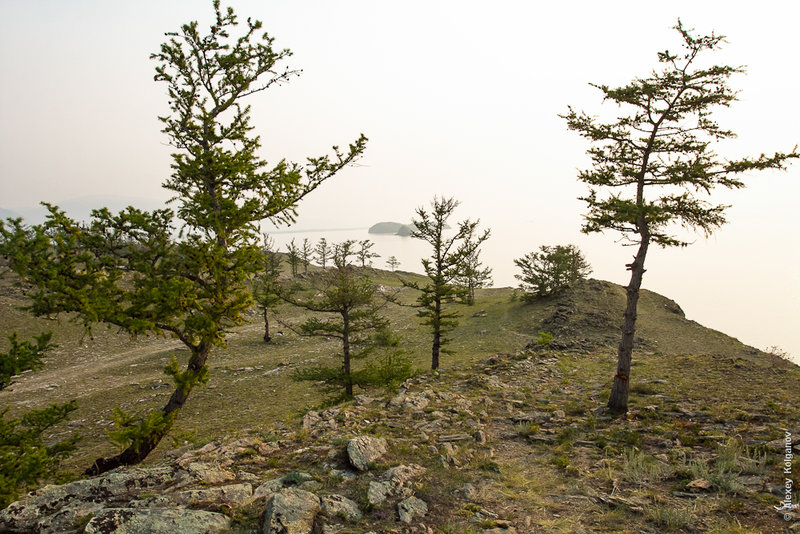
266,288
130,270
393,263
350,305
551,269
653,166
342,252
443,268
364,252
322,252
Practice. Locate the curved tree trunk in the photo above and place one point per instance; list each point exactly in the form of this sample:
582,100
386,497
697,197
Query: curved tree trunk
134,455
618,401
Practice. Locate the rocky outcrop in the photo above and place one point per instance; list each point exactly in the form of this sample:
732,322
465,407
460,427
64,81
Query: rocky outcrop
157,521
292,511
410,508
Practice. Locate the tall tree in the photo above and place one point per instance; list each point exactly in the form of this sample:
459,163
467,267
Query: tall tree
306,253
294,257
473,274
364,253
654,164
323,252
266,289
393,263
129,270
442,268
351,305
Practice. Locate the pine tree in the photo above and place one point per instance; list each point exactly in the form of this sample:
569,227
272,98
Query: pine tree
130,270
654,164
442,268
364,255
323,252
266,288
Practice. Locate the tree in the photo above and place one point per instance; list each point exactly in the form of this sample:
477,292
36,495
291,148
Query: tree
294,257
342,252
473,274
306,253
350,301
550,270
654,164
266,289
24,456
323,252
442,268
393,263
130,270
363,253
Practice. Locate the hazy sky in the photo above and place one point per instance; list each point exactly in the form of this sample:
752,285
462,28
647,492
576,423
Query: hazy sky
458,98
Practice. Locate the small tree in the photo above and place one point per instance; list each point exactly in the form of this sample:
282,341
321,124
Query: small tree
306,254
323,252
266,289
342,252
393,263
652,166
442,268
474,274
294,257
24,456
550,270
130,270
350,303
363,253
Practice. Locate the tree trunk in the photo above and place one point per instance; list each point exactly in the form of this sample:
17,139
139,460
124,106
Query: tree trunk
437,335
618,401
133,456
348,381
267,337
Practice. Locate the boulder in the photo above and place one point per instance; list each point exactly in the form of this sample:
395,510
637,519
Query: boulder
337,505
411,508
365,449
292,511
157,521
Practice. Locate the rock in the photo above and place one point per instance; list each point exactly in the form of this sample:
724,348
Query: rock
292,511
269,488
365,449
698,485
480,436
454,437
58,508
337,505
467,492
238,494
210,474
393,482
411,508
157,521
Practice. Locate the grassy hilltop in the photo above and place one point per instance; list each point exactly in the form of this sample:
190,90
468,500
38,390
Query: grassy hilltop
703,407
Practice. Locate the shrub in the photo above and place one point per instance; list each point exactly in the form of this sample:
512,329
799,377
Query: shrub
550,270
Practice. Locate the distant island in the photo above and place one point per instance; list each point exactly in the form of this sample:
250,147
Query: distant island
392,228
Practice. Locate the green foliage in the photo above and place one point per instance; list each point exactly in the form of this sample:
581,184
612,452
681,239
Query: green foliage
388,370
350,304
24,456
22,356
550,270
364,253
132,431
266,288
393,263
543,339
443,268
322,252
130,269
473,274
186,380
294,257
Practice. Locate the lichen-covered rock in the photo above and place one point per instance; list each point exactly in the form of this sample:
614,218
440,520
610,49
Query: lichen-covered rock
365,449
157,521
393,482
237,494
299,480
58,508
338,505
292,511
410,508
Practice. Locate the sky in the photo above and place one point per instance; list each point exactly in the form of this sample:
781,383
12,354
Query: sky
458,98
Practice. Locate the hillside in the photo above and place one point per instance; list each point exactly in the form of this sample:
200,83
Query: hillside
505,438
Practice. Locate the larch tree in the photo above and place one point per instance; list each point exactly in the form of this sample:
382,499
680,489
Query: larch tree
473,274
131,269
654,166
322,252
266,287
364,252
550,270
443,268
294,257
